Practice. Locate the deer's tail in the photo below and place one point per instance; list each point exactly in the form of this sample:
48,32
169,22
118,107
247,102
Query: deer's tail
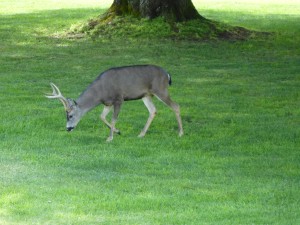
170,80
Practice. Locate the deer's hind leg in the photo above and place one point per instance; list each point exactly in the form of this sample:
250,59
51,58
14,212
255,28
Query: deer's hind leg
165,98
103,115
152,111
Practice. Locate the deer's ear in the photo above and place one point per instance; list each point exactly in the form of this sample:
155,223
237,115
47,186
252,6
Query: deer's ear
71,103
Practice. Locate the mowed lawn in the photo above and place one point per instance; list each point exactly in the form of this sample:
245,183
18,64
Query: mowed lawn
238,162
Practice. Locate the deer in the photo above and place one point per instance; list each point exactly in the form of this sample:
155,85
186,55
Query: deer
115,86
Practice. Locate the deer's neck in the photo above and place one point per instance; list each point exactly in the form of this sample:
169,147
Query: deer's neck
88,100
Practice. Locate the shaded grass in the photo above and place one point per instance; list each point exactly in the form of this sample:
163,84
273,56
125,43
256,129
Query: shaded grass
238,162
110,27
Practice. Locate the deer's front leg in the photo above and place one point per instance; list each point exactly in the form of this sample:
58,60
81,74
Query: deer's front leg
103,115
117,107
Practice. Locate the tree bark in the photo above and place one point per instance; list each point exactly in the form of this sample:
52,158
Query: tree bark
174,10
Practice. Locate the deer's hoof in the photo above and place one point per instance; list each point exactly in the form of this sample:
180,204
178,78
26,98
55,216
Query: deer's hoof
109,139
180,133
141,135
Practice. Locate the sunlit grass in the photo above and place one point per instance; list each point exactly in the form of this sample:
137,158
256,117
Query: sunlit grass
289,7
254,7
30,6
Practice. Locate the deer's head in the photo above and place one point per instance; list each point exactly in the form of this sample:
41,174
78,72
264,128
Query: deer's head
71,107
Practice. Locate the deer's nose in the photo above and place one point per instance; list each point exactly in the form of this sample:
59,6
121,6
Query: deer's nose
70,128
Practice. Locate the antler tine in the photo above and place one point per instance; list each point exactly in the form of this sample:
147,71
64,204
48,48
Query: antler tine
57,94
55,89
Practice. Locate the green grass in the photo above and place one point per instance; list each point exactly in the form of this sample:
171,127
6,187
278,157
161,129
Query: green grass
238,162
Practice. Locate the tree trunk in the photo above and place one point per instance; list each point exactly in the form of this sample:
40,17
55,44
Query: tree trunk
176,24
173,10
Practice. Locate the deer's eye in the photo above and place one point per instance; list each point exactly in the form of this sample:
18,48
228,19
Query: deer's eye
70,116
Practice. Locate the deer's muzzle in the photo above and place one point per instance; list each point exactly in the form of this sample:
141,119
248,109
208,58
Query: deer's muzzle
70,128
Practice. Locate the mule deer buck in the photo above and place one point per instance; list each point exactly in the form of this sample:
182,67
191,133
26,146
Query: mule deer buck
115,86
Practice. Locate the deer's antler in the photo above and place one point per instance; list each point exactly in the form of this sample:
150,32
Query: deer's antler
57,94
